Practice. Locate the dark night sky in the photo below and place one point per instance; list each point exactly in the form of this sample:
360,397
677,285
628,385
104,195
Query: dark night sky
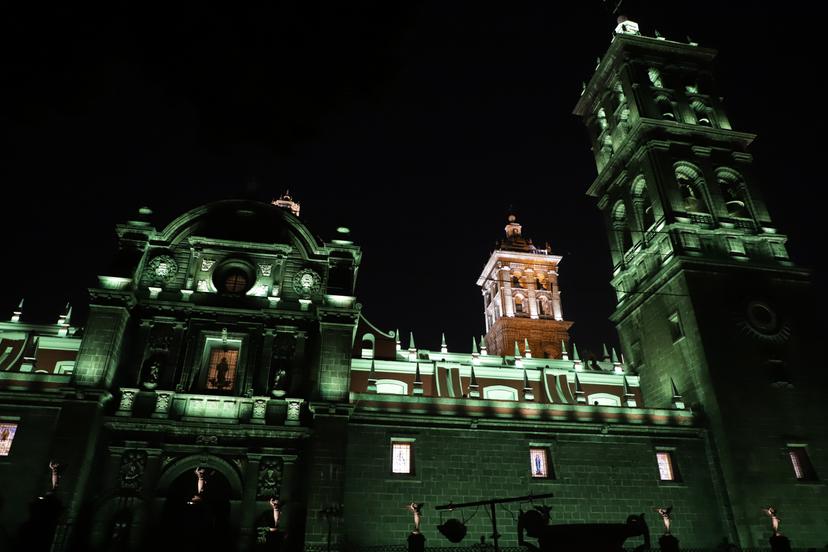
415,126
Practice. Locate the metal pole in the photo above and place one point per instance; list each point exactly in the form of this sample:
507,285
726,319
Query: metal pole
495,536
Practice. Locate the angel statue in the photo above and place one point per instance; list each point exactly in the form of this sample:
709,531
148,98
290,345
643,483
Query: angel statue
773,514
277,513
415,509
665,518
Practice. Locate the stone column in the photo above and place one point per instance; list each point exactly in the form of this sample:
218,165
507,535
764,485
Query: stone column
142,520
325,484
264,378
557,309
532,297
247,531
507,301
174,360
144,331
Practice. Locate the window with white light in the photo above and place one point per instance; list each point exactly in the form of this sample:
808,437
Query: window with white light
402,461
666,466
801,463
7,432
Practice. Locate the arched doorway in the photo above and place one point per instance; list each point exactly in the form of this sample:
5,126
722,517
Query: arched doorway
200,524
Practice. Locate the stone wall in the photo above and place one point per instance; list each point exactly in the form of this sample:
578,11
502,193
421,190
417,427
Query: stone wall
598,478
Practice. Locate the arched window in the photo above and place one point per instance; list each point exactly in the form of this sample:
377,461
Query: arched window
732,186
368,344
500,393
519,304
602,119
392,387
691,185
643,201
665,108
621,227
543,306
704,114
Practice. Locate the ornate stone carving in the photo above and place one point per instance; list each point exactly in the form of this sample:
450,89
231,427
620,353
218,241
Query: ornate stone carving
294,408
259,408
127,401
131,473
161,269
163,401
207,264
266,269
306,282
270,478
206,440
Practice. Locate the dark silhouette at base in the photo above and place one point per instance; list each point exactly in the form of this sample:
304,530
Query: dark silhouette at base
589,537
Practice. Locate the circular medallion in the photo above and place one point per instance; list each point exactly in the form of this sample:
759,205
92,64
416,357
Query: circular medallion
760,320
306,282
162,268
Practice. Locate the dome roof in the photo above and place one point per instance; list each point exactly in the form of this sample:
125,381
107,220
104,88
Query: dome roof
243,221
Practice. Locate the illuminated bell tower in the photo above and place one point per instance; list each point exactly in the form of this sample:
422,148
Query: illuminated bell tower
521,298
707,296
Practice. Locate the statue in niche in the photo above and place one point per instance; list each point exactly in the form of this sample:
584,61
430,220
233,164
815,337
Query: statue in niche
270,477
221,373
279,383
665,518
152,371
201,485
132,469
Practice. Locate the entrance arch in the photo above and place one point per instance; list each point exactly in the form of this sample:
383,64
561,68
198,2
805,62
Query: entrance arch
205,524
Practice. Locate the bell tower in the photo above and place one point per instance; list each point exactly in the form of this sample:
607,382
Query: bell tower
707,297
521,298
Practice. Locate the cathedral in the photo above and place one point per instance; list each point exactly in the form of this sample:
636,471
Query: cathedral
226,393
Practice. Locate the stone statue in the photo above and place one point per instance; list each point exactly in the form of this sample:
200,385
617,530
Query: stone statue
277,513
665,517
56,469
221,373
153,373
416,509
279,383
772,513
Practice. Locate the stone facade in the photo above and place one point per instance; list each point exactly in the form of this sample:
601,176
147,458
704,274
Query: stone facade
226,364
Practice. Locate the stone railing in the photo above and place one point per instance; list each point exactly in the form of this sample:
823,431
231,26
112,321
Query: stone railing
191,407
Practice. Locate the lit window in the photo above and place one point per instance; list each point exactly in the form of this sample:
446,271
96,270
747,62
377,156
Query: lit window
401,457
7,432
676,330
666,470
222,371
803,469
539,462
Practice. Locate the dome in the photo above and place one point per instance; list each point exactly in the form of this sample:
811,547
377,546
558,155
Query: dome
243,221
